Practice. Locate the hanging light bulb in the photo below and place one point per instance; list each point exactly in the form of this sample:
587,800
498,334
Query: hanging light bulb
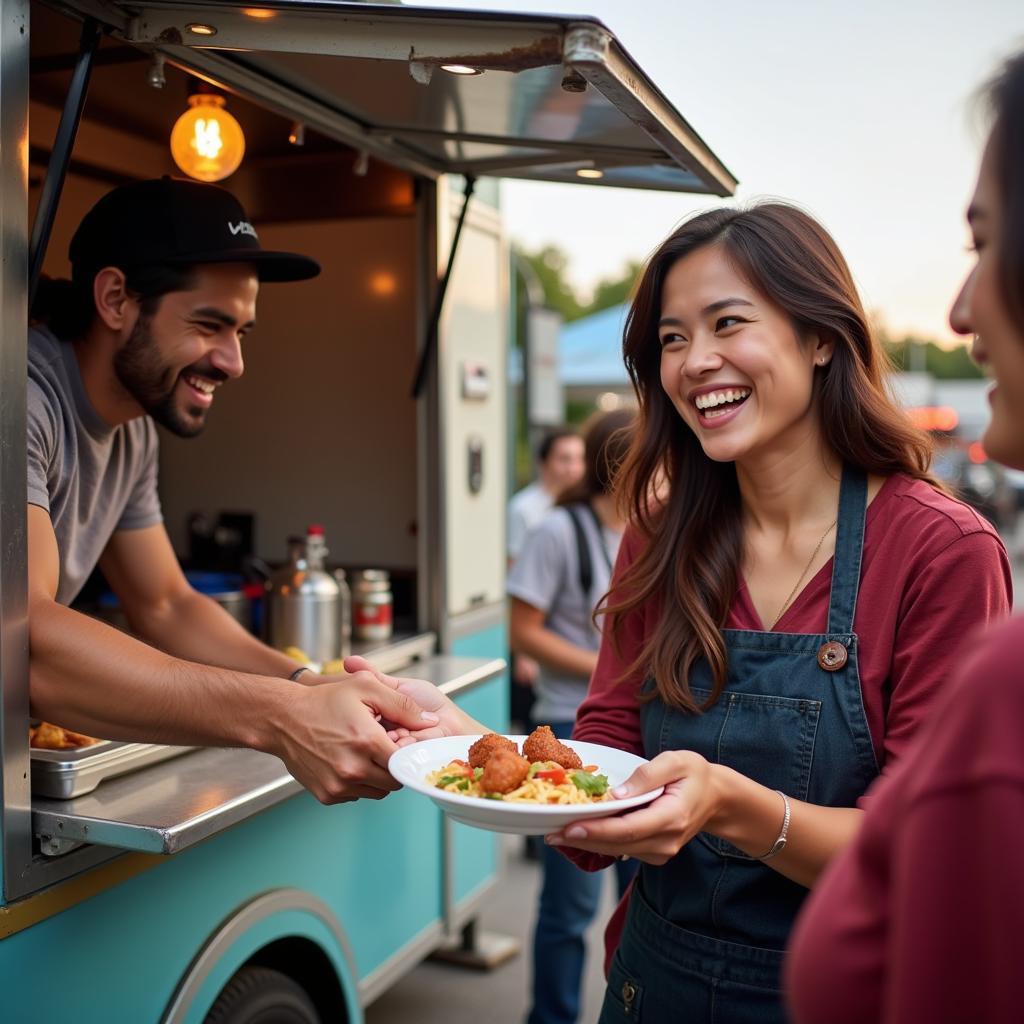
207,142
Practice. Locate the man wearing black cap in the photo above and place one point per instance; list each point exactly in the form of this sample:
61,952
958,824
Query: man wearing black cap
165,276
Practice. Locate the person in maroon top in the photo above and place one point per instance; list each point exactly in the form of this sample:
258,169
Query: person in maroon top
782,612
920,918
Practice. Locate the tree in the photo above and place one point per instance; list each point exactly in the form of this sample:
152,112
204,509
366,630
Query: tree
549,266
912,353
616,290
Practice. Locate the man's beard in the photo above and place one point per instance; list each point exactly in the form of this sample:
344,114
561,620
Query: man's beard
153,384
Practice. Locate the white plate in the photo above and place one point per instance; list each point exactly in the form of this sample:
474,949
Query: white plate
411,765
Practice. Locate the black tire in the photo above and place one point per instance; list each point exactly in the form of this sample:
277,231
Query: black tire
259,995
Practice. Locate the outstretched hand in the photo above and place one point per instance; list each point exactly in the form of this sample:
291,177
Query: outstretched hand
333,741
451,720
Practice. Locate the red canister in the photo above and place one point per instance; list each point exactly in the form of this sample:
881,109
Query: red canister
372,605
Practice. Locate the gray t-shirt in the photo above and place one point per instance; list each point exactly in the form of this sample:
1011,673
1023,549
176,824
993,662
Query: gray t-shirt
92,478
547,576
525,509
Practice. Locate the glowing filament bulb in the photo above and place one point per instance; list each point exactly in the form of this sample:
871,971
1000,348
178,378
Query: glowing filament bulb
207,142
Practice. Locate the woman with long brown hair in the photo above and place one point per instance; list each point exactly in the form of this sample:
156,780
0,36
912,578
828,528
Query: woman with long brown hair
921,918
782,610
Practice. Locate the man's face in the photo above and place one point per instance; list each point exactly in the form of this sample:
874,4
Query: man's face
564,465
175,359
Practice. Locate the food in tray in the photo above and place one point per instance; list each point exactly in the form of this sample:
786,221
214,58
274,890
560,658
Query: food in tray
548,772
47,736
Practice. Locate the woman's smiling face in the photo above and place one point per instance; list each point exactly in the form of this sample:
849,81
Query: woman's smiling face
980,310
732,363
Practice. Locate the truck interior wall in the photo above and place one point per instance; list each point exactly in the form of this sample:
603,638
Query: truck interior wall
321,427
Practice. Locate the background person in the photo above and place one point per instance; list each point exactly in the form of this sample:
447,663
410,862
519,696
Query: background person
562,572
165,276
559,465
920,918
777,617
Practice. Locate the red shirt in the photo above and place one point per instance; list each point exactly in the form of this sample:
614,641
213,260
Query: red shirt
922,917
933,571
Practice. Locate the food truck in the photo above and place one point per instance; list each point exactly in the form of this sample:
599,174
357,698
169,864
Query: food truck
138,886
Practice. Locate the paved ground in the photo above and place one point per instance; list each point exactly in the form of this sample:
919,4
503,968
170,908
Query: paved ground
440,994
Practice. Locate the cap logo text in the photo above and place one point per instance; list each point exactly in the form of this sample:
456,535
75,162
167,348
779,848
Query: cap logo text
243,227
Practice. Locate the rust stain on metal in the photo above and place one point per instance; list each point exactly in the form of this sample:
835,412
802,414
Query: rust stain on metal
545,52
170,36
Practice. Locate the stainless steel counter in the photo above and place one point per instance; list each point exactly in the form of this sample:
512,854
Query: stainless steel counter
171,806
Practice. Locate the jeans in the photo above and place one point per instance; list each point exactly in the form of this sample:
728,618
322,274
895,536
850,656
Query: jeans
568,902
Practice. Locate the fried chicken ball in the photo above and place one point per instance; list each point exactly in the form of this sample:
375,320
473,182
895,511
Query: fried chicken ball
481,751
504,772
48,736
543,745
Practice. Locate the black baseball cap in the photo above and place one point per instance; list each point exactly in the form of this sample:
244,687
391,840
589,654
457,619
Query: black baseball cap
177,222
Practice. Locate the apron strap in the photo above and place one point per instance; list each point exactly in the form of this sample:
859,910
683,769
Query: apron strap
853,501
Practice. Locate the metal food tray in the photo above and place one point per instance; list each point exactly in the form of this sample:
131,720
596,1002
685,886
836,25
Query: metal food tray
63,774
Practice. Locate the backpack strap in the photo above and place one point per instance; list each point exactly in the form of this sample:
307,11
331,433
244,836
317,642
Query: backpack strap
582,549
600,535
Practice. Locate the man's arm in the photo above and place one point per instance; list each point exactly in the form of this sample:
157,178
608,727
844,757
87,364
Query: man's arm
165,610
95,679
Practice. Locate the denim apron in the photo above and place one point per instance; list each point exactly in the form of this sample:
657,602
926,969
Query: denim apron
704,934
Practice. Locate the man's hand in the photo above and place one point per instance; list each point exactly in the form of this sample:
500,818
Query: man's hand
450,719
331,740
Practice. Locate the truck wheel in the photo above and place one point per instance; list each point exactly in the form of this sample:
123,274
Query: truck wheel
259,995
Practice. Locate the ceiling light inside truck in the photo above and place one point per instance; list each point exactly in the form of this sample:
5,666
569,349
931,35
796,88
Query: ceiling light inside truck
207,143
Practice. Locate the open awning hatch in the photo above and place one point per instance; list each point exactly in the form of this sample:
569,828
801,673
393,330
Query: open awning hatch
542,97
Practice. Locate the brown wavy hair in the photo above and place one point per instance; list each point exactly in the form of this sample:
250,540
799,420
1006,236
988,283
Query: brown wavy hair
690,562
606,438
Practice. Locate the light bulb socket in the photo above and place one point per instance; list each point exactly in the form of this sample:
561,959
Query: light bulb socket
200,87
155,76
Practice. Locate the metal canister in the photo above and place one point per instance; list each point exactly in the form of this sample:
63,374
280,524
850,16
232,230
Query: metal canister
345,611
305,601
372,605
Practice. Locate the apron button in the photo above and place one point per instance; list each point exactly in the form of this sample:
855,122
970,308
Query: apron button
832,656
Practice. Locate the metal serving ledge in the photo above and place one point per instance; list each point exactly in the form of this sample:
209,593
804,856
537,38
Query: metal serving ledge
170,806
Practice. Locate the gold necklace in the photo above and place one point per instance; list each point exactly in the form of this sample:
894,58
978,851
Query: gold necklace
796,586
